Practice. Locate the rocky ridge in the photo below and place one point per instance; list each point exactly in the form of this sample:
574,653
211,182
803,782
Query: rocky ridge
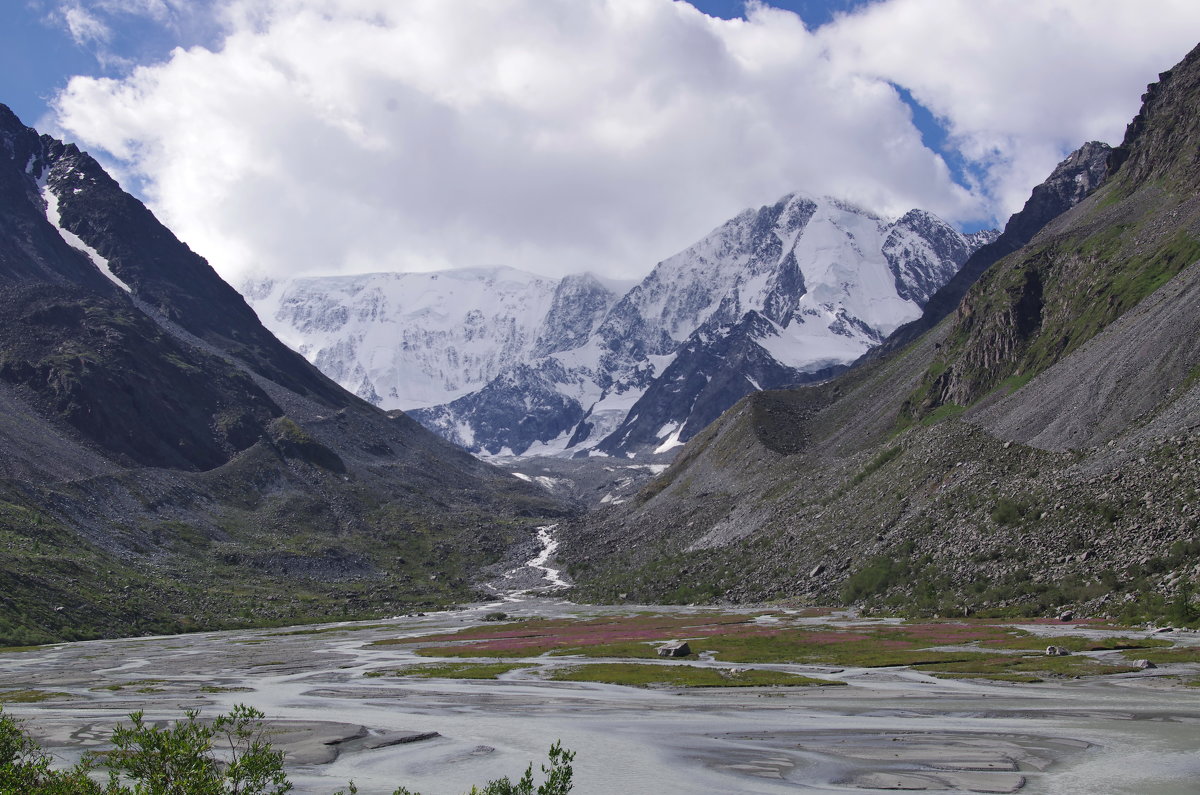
170,465
1037,449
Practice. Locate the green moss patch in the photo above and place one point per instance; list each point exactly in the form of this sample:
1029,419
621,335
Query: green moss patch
643,675
633,649
459,670
866,646
1024,668
1190,654
324,630
1075,643
29,696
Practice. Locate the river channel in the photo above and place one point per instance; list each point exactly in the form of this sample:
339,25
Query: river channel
340,714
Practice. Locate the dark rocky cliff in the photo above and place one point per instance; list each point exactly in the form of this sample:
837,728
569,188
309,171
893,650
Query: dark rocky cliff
169,464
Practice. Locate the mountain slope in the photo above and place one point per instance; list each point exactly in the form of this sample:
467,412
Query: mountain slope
1070,182
170,464
1035,449
804,288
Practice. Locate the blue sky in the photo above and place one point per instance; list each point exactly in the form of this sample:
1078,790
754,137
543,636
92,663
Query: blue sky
320,136
813,12
36,58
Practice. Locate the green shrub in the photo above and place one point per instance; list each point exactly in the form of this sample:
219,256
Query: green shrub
180,760
1009,511
877,463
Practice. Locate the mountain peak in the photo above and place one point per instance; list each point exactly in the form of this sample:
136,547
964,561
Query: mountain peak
1164,138
778,295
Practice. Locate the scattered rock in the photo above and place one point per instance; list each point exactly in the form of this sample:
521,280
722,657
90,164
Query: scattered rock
388,739
817,570
679,648
1066,615
1144,664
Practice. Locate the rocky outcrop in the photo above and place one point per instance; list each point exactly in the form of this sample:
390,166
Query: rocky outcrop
513,410
1070,182
714,369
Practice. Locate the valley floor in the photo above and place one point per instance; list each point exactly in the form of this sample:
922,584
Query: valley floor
342,713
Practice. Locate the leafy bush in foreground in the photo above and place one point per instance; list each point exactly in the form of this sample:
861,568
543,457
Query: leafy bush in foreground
228,756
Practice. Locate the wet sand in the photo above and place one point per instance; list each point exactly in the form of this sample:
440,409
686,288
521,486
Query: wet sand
889,729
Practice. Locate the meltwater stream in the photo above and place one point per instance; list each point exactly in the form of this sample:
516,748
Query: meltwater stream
534,576
549,544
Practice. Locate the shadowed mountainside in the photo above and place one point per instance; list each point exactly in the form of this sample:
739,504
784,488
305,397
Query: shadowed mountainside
170,465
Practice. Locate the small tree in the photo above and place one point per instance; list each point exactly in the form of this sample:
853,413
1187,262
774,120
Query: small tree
181,759
25,767
558,778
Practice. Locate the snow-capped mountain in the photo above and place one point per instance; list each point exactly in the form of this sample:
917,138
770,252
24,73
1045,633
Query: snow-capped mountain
411,340
504,362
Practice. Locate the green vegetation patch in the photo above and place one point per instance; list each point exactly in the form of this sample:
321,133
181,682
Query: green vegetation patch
814,648
877,463
19,649
1190,654
1025,668
1011,511
867,646
942,413
29,696
644,675
634,649
459,670
1074,643
323,630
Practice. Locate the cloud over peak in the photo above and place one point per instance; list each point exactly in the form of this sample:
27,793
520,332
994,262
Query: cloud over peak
363,135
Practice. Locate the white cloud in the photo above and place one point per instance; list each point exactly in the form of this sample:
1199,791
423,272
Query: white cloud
1019,83
84,26
564,135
